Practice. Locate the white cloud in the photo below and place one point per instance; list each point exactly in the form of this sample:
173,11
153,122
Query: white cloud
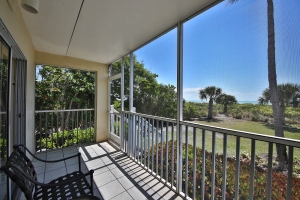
191,93
245,96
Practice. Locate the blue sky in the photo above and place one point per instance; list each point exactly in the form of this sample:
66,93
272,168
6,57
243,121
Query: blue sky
226,46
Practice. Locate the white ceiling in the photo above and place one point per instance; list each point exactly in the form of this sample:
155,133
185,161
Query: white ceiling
106,29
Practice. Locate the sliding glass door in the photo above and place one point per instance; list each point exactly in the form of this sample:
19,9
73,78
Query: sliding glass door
4,80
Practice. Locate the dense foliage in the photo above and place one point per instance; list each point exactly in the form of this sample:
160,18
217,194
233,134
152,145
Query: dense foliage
258,113
61,88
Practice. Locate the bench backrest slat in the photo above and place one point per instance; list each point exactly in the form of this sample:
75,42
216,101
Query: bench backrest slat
19,159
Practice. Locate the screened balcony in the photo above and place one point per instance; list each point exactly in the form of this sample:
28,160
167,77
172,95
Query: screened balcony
147,158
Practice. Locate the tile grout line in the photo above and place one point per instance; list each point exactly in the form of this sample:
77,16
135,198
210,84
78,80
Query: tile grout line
122,185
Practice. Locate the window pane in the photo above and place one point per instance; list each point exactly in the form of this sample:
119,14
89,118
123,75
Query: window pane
4,66
115,68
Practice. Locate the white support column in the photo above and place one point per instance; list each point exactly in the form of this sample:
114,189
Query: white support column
131,83
122,106
179,104
131,124
109,108
122,85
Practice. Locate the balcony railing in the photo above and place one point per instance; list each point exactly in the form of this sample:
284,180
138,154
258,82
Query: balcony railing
199,161
62,128
115,121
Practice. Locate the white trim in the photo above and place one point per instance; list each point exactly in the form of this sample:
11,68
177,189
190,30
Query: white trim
111,135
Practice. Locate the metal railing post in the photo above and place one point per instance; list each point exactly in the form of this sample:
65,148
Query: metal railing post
213,160
237,167
252,169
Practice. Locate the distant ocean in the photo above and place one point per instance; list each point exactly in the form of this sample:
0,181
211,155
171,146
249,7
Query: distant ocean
240,102
252,102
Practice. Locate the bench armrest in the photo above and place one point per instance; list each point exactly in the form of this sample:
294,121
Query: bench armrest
42,160
64,182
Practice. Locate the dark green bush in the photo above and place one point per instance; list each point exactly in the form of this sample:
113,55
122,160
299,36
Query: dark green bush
66,138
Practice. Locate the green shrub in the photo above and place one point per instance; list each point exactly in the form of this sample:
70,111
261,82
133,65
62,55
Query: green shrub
203,113
237,113
190,111
255,116
66,138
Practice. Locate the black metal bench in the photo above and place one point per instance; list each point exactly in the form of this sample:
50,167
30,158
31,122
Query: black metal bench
19,169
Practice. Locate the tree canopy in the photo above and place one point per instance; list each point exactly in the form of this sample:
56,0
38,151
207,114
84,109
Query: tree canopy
226,100
288,93
149,96
60,88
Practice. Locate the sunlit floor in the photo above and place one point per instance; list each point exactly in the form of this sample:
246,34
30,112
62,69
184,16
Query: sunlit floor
116,176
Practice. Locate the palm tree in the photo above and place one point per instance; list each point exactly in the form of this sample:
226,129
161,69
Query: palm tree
278,123
211,93
226,100
288,93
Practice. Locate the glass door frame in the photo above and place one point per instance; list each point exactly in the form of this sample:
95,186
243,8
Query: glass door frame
13,80
8,107
111,136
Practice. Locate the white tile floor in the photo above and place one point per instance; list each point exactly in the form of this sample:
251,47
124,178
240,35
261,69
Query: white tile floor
116,176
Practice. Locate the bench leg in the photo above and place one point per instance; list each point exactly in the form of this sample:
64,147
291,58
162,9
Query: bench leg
92,183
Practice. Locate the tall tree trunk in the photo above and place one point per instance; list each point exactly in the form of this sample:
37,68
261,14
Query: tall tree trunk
210,108
225,109
68,115
62,98
278,123
282,107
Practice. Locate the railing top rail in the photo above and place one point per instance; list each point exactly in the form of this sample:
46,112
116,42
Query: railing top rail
243,134
152,117
115,112
68,110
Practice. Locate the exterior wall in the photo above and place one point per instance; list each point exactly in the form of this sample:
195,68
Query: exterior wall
101,96
16,26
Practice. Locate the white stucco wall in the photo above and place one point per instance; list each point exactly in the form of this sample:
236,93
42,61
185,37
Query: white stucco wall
16,26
